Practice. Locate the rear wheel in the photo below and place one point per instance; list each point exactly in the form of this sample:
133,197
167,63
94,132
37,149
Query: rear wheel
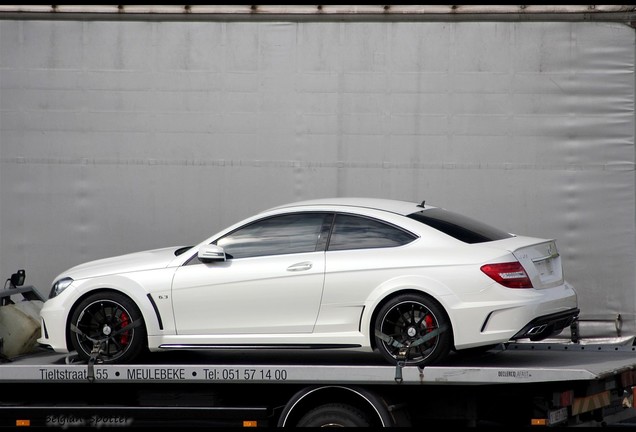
415,324
112,321
334,415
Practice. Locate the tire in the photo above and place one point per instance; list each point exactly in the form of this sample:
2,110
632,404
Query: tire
102,316
334,415
406,319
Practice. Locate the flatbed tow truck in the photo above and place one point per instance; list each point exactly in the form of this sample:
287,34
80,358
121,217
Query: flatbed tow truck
516,384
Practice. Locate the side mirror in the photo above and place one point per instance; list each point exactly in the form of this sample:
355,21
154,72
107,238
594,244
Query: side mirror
17,279
211,253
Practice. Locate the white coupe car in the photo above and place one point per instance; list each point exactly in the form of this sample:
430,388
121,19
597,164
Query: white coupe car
410,280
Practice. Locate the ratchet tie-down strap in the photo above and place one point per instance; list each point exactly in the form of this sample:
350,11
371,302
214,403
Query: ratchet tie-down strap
404,347
99,343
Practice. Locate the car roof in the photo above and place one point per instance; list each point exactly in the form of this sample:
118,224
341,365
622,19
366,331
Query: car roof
393,206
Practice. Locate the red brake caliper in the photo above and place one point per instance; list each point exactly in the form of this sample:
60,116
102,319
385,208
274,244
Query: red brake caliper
124,320
428,320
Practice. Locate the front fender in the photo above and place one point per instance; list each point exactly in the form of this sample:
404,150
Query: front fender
157,318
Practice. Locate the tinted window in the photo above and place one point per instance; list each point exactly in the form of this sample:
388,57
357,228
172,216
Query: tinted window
458,226
353,232
293,233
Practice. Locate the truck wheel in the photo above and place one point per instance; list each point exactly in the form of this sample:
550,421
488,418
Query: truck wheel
112,319
334,415
417,321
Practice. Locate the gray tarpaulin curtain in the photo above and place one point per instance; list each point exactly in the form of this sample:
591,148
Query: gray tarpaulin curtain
117,136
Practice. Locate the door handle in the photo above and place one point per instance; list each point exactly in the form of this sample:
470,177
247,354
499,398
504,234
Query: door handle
300,266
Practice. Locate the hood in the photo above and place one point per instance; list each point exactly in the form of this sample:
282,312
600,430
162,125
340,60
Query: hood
138,261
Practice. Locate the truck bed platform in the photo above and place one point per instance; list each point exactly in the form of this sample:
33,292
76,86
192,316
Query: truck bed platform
515,363
512,385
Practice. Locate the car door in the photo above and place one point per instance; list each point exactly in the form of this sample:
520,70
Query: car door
362,254
271,282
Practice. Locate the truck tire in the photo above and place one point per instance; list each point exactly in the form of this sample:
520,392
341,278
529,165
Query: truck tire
334,415
113,319
407,319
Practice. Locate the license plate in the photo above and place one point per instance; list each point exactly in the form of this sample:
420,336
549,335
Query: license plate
558,416
545,269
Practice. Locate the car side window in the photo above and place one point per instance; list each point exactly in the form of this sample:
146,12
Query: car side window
354,232
277,235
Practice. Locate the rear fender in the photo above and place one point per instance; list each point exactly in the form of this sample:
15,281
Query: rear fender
431,287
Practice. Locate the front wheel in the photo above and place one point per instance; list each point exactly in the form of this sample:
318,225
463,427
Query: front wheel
414,329
113,322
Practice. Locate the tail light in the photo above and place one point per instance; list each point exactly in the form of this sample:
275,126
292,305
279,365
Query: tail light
510,274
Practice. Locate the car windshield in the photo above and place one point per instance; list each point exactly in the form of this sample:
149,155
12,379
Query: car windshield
460,227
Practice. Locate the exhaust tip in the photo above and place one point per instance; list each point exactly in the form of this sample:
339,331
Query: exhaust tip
536,330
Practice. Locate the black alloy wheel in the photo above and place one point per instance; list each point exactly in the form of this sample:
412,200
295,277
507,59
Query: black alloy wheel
414,329
113,322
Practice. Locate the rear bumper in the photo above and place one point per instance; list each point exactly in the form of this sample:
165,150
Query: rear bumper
547,325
